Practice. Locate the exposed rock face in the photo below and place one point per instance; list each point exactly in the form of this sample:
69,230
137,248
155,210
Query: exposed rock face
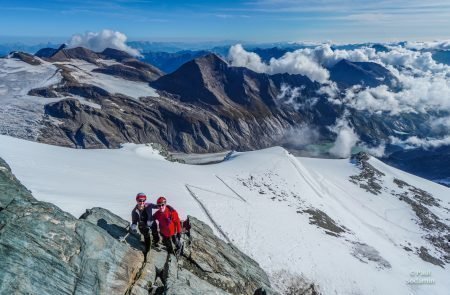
44,250
28,58
214,108
75,53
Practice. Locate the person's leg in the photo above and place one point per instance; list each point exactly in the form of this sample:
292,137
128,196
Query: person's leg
168,243
177,242
155,233
147,240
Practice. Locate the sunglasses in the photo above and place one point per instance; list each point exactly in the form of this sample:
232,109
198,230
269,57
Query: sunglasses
161,205
141,201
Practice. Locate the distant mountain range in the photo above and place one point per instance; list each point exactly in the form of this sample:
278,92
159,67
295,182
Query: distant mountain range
102,99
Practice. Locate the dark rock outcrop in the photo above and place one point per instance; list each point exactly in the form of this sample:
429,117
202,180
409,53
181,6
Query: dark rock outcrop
82,53
44,250
49,51
43,92
128,72
26,57
111,53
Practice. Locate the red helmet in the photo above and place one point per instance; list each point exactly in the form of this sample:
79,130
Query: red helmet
141,196
161,200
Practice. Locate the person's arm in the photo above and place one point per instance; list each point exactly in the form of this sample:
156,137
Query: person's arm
134,221
134,217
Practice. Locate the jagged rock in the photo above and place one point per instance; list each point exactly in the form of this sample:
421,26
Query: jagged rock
369,177
207,266
43,92
44,250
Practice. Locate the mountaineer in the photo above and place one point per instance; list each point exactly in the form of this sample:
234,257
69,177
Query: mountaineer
142,219
169,225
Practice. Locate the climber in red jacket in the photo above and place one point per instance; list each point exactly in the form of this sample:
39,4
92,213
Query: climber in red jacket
169,225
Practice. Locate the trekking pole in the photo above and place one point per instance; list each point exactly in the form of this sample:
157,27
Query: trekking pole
123,239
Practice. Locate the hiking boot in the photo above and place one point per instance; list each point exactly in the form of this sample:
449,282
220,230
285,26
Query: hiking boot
156,246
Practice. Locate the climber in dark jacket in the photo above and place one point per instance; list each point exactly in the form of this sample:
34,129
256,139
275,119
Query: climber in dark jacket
142,219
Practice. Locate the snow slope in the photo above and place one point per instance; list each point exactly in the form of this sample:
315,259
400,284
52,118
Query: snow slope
299,215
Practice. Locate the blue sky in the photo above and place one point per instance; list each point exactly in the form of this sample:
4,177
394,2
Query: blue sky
252,20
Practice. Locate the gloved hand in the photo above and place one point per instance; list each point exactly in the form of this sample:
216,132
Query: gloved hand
133,228
149,223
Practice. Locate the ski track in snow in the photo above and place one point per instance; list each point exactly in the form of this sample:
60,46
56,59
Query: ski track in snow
272,226
207,213
238,195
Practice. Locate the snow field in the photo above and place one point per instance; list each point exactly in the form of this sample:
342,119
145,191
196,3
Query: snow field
257,200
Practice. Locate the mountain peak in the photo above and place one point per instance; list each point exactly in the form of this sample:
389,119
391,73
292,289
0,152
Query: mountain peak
75,53
212,59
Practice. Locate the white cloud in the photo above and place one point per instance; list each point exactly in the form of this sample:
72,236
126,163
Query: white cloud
440,124
439,44
331,90
292,62
419,95
377,151
346,139
293,96
98,41
239,57
423,84
416,142
301,136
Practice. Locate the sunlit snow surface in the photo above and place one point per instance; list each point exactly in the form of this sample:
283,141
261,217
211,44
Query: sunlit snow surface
21,114
254,198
